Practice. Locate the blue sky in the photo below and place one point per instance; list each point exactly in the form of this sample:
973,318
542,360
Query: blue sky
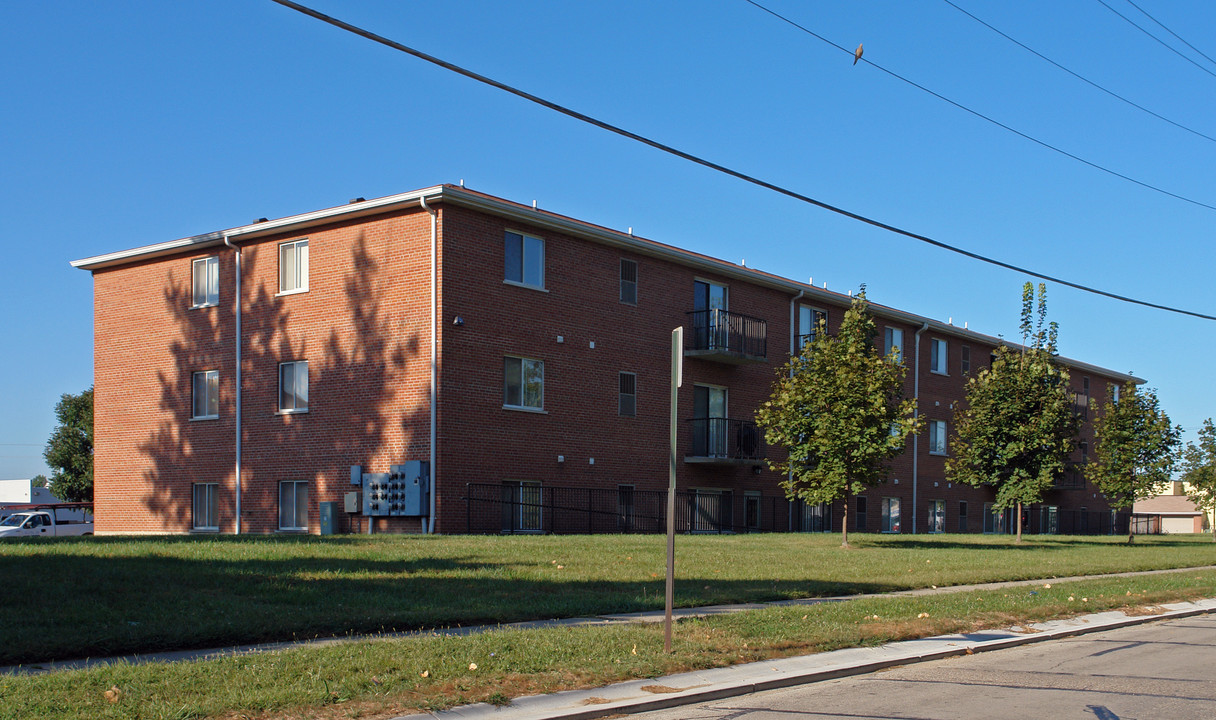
137,122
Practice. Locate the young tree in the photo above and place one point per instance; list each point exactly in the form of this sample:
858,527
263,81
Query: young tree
69,452
1018,424
39,481
1199,470
838,409
1136,450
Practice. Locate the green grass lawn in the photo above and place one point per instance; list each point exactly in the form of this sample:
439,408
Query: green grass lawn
86,597
387,678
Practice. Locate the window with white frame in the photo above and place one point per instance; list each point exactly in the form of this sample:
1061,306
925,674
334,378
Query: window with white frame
523,383
293,505
893,340
628,406
524,260
205,274
937,437
809,320
293,386
938,356
293,266
205,508
890,515
629,282
937,516
206,395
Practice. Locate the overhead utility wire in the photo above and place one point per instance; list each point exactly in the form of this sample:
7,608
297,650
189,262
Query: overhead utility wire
709,164
1164,44
1171,32
976,113
1083,79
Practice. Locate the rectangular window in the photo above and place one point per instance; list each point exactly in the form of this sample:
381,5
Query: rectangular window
624,508
293,505
206,395
710,426
522,506
751,509
1113,389
293,386
628,406
962,516
1049,520
1084,452
937,437
206,281
629,282
937,516
994,519
938,356
205,510
523,383
809,322
293,266
890,515
859,505
524,260
893,339
964,352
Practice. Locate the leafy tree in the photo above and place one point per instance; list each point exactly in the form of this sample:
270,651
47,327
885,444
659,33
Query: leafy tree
69,452
1199,470
39,481
1018,424
1136,450
838,409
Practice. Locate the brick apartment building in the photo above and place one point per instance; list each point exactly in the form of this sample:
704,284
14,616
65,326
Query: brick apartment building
276,377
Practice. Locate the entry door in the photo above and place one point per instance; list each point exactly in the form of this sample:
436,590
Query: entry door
710,301
709,410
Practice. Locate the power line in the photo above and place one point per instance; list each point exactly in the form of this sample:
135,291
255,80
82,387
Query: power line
1171,32
976,113
1083,79
709,164
1164,44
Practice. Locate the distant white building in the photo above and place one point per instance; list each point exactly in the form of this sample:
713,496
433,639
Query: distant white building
21,492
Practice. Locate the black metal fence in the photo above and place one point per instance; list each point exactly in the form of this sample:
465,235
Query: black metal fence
724,330
534,508
520,507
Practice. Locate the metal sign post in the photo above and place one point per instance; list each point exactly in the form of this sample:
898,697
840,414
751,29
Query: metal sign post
677,379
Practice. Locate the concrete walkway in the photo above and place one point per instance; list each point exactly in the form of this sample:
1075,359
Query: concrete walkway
654,616
707,685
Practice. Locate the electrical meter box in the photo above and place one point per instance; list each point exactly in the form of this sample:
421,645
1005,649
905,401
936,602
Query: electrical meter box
404,491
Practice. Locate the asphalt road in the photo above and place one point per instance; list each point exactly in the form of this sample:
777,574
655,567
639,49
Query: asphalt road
1164,670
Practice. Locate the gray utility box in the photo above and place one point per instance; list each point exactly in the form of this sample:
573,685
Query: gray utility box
404,491
329,517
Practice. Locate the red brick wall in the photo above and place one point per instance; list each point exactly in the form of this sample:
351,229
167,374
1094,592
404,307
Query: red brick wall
363,328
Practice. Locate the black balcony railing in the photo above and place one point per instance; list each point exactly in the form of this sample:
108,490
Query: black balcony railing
726,336
725,440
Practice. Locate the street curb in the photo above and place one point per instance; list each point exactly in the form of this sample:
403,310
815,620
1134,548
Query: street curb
718,683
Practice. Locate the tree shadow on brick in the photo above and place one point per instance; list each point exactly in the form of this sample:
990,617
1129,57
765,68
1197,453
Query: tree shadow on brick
356,363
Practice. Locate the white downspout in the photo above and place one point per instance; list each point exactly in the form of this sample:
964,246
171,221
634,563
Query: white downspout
793,350
237,304
430,526
915,415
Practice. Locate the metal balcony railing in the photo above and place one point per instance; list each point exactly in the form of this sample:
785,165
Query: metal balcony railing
726,336
725,440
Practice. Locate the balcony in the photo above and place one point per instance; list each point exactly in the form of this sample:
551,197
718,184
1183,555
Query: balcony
725,441
726,337
1080,405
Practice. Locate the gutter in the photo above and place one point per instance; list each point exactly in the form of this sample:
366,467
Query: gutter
915,415
430,524
237,303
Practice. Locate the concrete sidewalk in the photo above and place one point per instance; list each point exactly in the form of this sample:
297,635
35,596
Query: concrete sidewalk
653,616
707,685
